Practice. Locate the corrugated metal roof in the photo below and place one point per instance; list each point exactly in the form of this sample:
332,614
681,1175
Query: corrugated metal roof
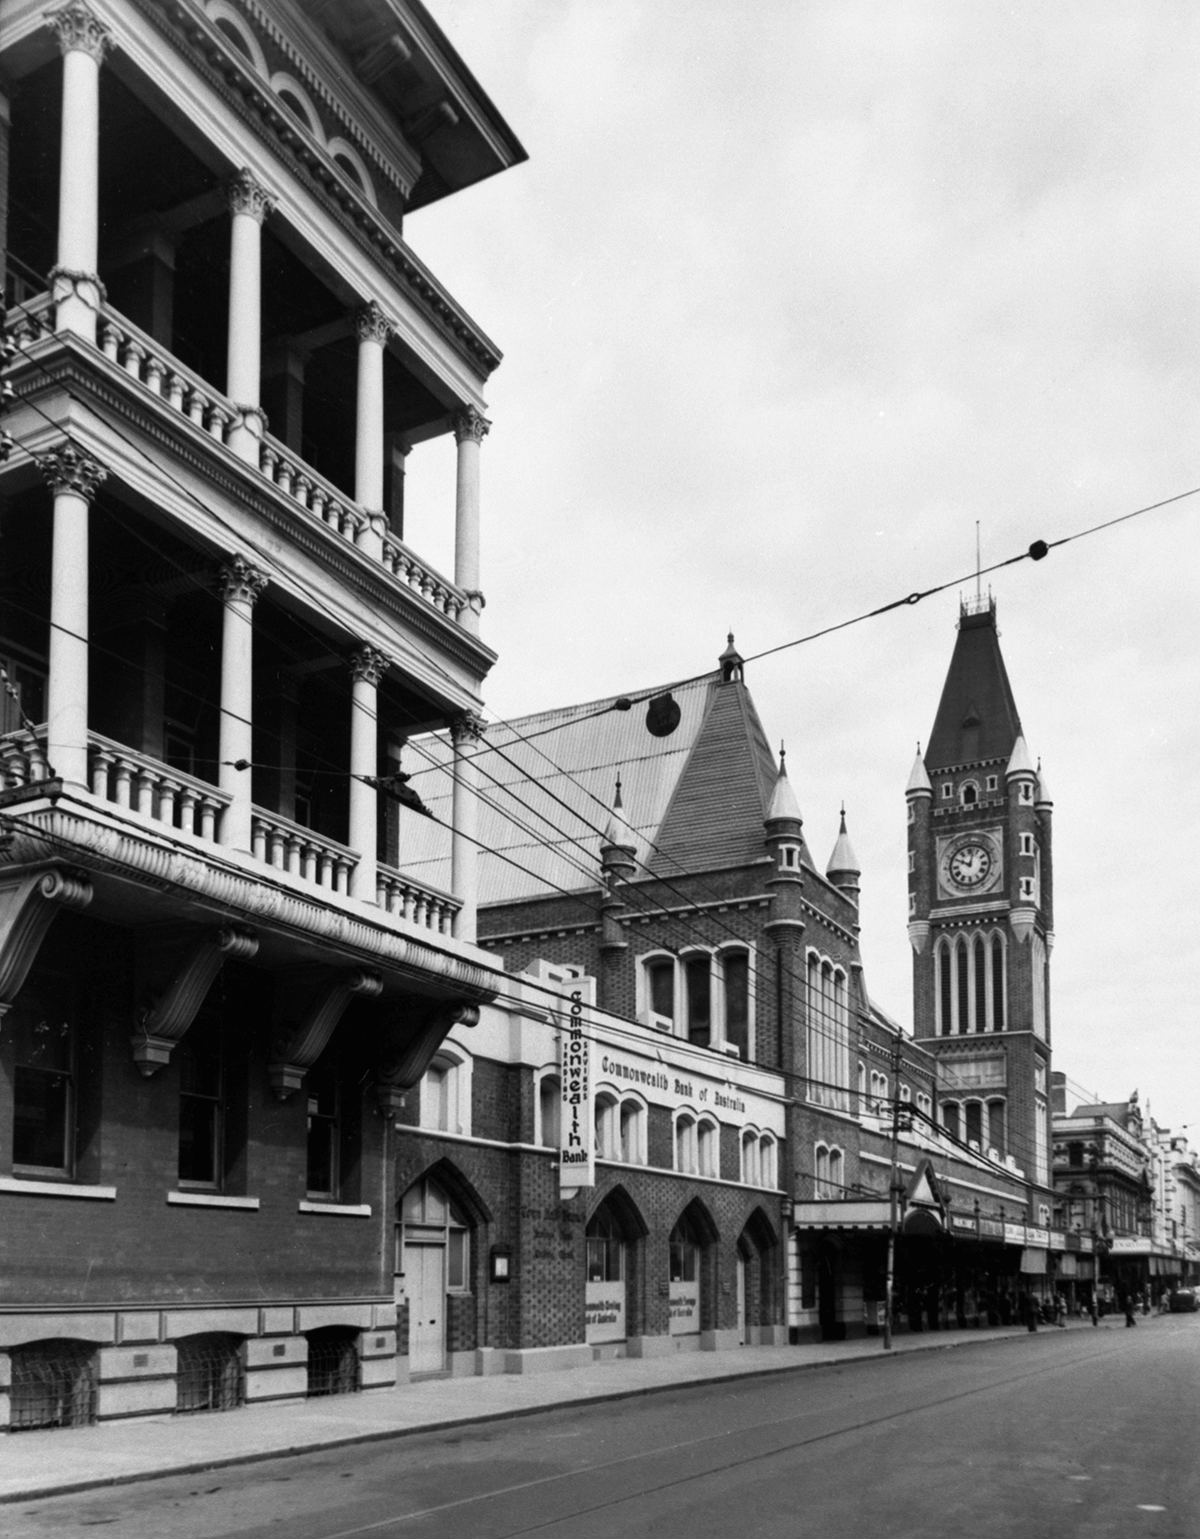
575,757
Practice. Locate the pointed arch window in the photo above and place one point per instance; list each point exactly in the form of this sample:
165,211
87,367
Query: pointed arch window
979,958
962,982
944,995
973,1123
950,1119
998,1012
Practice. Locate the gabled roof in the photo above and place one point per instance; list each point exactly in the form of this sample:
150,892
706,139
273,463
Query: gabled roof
977,716
694,799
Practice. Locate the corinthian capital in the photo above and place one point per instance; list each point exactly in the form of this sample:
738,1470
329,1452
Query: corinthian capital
369,663
470,424
373,325
80,29
246,195
241,581
466,728
68,469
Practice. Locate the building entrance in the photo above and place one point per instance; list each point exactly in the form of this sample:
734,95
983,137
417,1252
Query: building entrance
604,1318
432,1253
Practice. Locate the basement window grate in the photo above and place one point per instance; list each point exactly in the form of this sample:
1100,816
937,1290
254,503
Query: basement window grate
53,1385
333,1362
209,1376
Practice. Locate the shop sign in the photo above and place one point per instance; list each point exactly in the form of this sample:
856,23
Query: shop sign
604,1311
685,1308
991,1228
1014,1234
576,1167
1085,1244
1131,1245
1034,1236
963,1223
674,1087
1073,1242
1058,1240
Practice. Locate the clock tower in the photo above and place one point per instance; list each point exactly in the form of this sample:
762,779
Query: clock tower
980,912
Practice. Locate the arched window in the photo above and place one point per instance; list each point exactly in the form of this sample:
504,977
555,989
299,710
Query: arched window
828,1033
708,1149
837,1167
633,1132
996,1130
352,167
973,1121
657,974
821,1172
998,1013
968,793
549,1111
979,948
962,990
445,1094
684,1247
750,1171
605,1248
233,28
768,1159
697,980
862,1081
685,1144
945,1013
608,1137
950,1118
734,975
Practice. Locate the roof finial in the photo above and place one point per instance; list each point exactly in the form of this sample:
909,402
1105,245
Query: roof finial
617,801
782,757
731,662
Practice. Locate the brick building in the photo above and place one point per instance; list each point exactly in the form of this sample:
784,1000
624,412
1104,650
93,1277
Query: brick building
217,975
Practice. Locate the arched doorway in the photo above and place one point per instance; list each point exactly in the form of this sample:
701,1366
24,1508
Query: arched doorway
758,1267
688,1245
605,1304
432,1260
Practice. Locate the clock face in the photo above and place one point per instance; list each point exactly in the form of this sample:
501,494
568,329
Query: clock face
970,865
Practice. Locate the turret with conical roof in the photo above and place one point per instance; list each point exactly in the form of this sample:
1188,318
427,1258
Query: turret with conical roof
843,869
784,831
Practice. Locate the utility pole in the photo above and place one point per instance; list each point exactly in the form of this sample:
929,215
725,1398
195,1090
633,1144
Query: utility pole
894,1191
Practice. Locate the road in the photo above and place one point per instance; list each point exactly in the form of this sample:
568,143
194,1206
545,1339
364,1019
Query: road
1064,1433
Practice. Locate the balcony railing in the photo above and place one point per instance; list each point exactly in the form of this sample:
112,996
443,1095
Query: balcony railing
130,779
138,783
158,371
291,847
425,906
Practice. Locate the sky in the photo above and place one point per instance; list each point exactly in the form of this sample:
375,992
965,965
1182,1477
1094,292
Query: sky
791,297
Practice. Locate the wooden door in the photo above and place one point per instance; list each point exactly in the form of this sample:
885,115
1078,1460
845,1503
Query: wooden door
425,1284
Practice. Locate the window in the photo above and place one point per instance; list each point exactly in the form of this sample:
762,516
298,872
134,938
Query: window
944,988
828,1033
633,1132
605,1250
685,1144
296,107
697,973
998,1012
30,685
862,1083
1027,888
950,1118
607,1140
53,1384
549,1110
995,1124
683,1252
428,1217
660,992
1025,793
750,1170
905,1093
993,782
1026,844
321,1084
948,791
445,1097
969,794
209,1375
837,1163
1043,1215
350,164
1075,1155
708,1149
43,1036
912,860
768,1159
735,985
974,1123
201,1110
1037,969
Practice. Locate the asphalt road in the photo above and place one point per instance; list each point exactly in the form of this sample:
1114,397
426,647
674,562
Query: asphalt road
1063,1433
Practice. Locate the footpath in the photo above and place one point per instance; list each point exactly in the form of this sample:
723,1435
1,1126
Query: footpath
54,1463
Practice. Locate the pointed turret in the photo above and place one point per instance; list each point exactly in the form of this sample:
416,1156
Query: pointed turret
919,783
977,716
783,805
843,869
618,847
1019,761
1043,798
785,841
730,662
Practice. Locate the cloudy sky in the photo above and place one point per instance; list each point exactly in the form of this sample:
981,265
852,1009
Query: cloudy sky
791,295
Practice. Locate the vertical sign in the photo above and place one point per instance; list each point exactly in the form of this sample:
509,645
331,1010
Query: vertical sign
575,1168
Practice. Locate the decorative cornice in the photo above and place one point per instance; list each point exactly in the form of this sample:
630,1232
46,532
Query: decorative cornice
369,664
80,30
240,582
372,325
68,469
245,194
470,424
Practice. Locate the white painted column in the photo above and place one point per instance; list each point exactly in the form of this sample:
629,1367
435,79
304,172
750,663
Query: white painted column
470,426
73,478
74,280
249,205
373,329
465,733
241,585
367,667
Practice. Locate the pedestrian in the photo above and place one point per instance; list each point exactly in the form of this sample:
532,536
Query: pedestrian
1129,1304
1093,1310
1060,1311
1029,1310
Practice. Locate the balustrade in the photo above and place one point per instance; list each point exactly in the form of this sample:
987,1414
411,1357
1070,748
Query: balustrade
152,789
426,906
290,847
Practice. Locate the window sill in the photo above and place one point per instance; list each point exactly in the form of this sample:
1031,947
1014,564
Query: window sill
342,1209
210,1200
32,1188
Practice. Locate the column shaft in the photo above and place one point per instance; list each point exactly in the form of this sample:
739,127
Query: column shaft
249,205
73,479
368,667
74,280
469,430
373,331
241,585
464,851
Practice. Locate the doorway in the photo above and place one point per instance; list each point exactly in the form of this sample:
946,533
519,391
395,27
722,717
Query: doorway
432,1252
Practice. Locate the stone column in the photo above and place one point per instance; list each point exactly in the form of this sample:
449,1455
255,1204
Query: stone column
74,281
367,667
73,477
240,586
470,427
465,733
249,205
373,329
